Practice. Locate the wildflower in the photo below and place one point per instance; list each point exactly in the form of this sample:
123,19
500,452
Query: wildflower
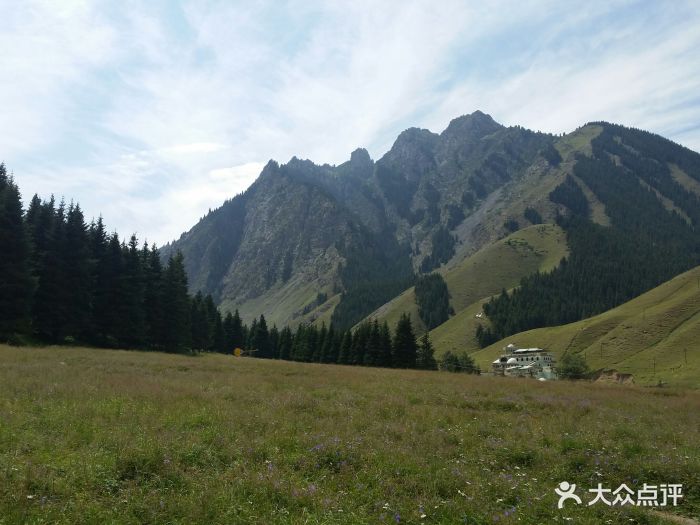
397,517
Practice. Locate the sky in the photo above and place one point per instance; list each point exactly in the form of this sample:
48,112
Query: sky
151,113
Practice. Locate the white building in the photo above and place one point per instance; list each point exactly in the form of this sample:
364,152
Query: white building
525,362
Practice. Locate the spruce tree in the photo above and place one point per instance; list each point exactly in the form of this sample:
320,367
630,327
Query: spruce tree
274,342
425,358
405,347
345,353
285,344
317,356
50,301
212,316
97,242
16,285
386,346
373,354
176,307
77,283
131,322
153,296
360,342
249,334
300,346
261,340
219,336
200,328
109,301
329,353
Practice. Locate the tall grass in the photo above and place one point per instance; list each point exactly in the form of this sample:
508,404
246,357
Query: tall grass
97,436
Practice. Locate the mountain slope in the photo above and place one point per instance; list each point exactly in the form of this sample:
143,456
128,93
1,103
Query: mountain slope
281,246
654,336
496,266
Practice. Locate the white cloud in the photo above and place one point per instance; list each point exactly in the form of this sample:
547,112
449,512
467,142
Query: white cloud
153,113
193,148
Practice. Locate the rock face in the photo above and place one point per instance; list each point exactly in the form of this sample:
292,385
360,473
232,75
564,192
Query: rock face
333,243
358,230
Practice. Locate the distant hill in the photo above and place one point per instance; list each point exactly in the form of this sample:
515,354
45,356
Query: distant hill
655,337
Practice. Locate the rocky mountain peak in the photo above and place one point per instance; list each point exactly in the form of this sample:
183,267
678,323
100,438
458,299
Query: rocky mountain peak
360,157
475,125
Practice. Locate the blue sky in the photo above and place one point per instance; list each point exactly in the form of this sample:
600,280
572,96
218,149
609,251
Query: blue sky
150,113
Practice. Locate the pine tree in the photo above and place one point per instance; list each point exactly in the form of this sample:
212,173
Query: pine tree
405,347
373,354
274,342
109,293
386,346
329,353
317,356
16,285
233,327
360,340
50,301
345,354
219,336
301,350
212,316
261,340
131,322
78,281
176,307
153,296
249,334
97,243
200,328
285,344
425,358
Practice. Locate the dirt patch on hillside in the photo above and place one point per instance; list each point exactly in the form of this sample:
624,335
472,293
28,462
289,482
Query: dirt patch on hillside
613,376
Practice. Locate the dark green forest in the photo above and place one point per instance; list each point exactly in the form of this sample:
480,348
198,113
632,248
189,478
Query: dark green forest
66,281
645,245
433,300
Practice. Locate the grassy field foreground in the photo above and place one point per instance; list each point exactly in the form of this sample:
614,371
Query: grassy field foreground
98,436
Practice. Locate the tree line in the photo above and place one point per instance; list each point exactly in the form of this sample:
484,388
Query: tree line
63,280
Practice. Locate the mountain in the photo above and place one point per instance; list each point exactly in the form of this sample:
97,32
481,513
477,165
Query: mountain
310,243
304,238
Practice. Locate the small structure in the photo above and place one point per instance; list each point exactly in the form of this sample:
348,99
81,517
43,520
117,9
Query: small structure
525,362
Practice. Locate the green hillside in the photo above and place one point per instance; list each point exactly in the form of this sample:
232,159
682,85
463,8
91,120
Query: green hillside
654,337
499,265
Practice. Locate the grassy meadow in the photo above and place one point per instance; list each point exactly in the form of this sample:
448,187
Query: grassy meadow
105,436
